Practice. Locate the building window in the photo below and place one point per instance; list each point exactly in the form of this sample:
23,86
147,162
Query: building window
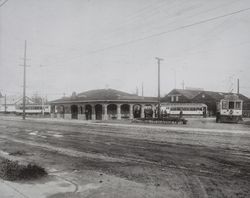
224,105
172,98
231,105
237,105
177,98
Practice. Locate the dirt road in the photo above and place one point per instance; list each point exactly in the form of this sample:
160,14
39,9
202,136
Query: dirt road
152,161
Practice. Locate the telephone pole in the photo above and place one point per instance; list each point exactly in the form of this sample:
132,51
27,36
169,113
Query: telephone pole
24,80
5,103
183,84
142,90
41,66
238,86
159,86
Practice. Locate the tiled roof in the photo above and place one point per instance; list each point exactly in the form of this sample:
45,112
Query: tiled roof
13,100
103,95
190,94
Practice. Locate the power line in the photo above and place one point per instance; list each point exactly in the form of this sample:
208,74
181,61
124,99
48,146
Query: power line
3,3
173,17
170,31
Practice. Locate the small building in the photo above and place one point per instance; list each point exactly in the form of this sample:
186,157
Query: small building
14,104
103,104
8,103
246,108
210,98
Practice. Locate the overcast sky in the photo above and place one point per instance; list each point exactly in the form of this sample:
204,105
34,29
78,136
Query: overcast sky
93,44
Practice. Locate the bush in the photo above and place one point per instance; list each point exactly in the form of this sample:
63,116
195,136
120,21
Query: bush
12,170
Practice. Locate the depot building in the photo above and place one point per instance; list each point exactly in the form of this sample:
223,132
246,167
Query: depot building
103,104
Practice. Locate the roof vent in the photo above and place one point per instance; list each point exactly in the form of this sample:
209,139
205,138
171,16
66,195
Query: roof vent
74,94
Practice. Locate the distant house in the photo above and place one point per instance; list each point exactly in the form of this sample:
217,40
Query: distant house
14,104
246,108
10,103
198,96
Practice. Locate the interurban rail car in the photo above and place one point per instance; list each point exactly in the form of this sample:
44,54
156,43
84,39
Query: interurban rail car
229,109
33,109
188,109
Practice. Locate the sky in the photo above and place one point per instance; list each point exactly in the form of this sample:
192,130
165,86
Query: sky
79,45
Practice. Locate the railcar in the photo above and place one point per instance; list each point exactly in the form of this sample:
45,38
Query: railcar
188,109
33,109
229,109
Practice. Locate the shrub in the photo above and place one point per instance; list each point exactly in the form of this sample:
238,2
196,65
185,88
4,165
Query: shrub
12,170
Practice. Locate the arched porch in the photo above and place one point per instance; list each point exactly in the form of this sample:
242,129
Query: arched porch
74,112
125,111
112,111
88,112
98,111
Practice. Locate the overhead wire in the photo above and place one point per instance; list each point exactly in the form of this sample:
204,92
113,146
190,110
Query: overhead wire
170,31
160,33
168,17
1,4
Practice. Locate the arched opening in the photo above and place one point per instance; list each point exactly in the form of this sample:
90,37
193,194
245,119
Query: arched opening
98,112
81,110
125,111
74,112
61,111
137,111
148,111
112,111
88,112
53,109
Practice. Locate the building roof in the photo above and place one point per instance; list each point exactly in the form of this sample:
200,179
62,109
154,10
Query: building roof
191,94
104,95
188,93
13,100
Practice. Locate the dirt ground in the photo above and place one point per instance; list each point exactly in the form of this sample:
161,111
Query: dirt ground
84,159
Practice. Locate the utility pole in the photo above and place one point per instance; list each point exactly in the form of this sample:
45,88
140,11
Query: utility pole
24,80
183,84
42,91
238,86
142,90
5,104
159,85
175,78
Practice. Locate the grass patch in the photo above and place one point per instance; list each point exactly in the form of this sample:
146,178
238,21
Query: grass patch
12,171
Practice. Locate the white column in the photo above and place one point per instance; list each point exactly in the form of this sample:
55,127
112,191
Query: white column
119,117
131,113
142,111
153,108
93,112
105,116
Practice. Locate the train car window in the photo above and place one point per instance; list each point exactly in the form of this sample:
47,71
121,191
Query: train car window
224,105
231,105
237,105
